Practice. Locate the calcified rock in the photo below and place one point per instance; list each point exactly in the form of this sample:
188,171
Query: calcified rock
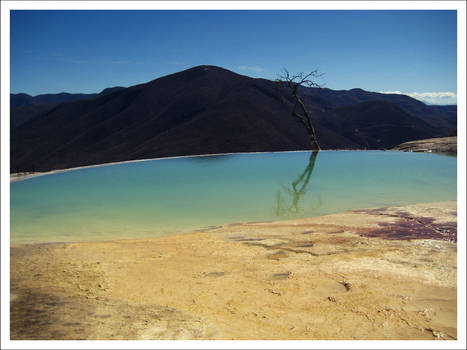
436,145
386,273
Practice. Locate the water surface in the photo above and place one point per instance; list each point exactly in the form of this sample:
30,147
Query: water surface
166,196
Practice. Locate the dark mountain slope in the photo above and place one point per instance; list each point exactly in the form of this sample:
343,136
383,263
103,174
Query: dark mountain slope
24,107
444,117
20,115
18,100
377,124
202,110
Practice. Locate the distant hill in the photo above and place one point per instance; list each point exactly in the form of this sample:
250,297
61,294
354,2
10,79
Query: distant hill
377,124
207,109
19,100
444,117
23,106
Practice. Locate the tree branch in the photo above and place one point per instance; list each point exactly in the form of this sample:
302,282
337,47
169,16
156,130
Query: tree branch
293,82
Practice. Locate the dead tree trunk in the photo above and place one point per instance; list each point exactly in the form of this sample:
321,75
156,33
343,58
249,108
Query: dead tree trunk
299,110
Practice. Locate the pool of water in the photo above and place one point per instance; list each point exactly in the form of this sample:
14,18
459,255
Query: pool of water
167,196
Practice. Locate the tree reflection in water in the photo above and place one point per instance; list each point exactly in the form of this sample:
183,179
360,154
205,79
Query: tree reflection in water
288,204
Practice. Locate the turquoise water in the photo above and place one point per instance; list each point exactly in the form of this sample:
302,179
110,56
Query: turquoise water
167,196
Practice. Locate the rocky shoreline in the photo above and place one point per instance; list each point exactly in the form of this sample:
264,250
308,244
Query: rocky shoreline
447,145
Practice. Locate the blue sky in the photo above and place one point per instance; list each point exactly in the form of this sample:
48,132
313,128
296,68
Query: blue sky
410,51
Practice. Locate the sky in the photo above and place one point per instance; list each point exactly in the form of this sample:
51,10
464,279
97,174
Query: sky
401,51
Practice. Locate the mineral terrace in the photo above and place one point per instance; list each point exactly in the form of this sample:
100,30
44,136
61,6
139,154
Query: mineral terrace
388,273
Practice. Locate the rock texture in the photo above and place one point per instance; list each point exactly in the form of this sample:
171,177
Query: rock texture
355,275
436,145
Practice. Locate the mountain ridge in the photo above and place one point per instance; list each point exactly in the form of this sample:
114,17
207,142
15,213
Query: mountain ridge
204,109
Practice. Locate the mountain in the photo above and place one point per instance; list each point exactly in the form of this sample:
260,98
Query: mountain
444,117
19,100
24,107
202,110
377,124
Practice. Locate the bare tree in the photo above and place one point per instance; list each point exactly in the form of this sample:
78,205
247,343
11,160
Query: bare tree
292,82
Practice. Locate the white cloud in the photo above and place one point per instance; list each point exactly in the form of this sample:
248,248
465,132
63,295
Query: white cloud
392,92
255,69
432,98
